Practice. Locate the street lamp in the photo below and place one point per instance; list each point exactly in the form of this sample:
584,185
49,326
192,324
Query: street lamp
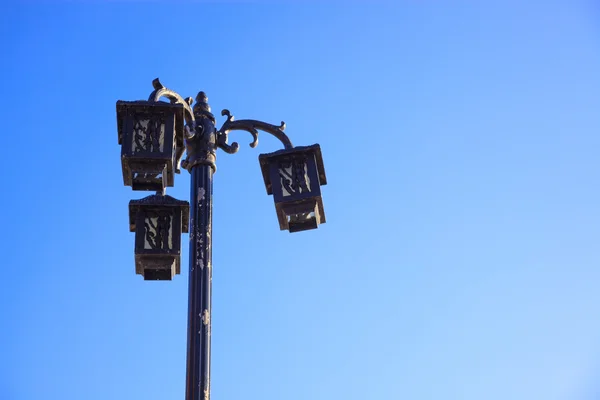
293,177
149,133
153,139
158,222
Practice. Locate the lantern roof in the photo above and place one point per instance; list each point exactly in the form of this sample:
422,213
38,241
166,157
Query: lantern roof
122,107
265,159
162,201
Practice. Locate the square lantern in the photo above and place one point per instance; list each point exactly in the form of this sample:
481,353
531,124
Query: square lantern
149,133
294,178
158,222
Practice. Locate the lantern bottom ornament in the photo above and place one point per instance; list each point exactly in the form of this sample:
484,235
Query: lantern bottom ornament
146,176
300,217
158,222
157,268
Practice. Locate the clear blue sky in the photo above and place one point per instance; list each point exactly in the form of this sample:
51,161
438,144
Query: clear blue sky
461,257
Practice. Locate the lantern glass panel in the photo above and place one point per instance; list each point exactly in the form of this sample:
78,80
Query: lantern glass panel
148,133
293,175
158,230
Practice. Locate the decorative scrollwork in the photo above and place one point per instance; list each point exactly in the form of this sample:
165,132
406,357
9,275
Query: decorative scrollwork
251,126
201,139
161,91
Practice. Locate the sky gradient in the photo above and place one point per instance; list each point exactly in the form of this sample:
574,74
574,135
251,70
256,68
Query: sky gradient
460,258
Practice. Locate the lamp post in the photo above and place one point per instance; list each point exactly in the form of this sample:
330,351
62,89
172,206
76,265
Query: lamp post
153,140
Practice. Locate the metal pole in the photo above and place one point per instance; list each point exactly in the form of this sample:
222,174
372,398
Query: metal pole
200,162
200,285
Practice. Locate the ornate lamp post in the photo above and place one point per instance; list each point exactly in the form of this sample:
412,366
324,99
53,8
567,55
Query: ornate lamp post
154,138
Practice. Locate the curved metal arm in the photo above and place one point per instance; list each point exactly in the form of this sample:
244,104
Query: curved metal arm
161,91
174,97
251,126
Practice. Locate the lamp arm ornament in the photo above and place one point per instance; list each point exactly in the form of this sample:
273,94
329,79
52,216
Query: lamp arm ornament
161,91
251,126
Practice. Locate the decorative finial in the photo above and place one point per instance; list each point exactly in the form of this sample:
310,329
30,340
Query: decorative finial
201,107
157,85
202,102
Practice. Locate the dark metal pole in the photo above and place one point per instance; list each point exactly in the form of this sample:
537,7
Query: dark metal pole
200,162
200,285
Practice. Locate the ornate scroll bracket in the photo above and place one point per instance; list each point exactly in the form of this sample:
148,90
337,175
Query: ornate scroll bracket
200,137
161,91
251,126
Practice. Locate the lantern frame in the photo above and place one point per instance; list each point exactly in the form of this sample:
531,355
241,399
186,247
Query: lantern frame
299,207
141,166
163,262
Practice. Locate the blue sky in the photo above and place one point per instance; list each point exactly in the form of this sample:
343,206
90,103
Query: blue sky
460,258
